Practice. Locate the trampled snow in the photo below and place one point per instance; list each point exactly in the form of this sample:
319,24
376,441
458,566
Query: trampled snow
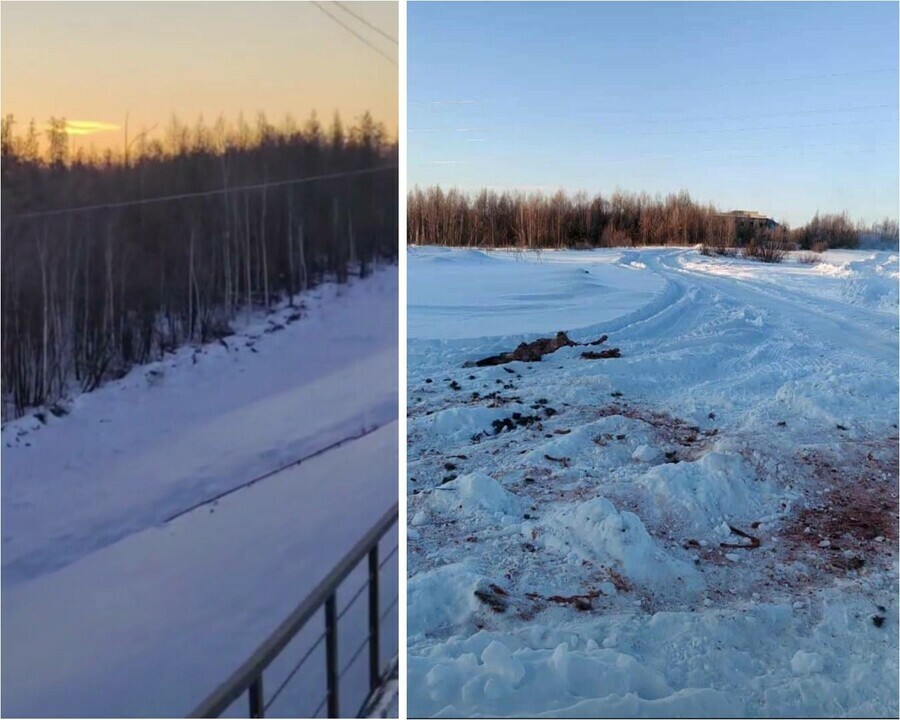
111,610
705,526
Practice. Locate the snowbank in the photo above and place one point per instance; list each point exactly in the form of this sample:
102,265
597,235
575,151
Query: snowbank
111,611
441,599
475,494
596,531
703,494
583,563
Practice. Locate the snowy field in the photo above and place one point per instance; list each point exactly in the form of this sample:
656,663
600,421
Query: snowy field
111,609
571,550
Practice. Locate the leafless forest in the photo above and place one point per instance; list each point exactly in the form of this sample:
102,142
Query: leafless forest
490,219
269,211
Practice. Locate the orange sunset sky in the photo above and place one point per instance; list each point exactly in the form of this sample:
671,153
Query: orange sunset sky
93,62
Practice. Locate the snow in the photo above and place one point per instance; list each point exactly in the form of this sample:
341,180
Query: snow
513,293
595,530
128,458
646,454
387,705
441,598
498,661
805,663
109,610
475,494
586,563
456,424
706,492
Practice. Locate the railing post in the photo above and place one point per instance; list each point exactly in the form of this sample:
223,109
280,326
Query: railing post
374,660
255,695
331,659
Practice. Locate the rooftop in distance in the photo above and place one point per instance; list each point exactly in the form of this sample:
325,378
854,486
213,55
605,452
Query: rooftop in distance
750,217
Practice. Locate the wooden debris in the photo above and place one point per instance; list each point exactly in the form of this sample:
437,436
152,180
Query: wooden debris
603,355
754,541
494,597
579,602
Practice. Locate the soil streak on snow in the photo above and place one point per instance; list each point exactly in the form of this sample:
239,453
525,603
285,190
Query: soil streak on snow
736,469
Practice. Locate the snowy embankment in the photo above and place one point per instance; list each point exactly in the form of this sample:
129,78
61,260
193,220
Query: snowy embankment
110,610
705,526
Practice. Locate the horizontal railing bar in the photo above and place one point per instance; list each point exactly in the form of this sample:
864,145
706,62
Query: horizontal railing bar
295,670
389,608
222,697
355,597
321,705
388,557
354,656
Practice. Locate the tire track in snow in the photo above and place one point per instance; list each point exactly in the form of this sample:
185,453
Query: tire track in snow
819,315
702,344
797,338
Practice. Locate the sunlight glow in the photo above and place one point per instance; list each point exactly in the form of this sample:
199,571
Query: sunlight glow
88,127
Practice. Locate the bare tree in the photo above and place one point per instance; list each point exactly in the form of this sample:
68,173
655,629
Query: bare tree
88,295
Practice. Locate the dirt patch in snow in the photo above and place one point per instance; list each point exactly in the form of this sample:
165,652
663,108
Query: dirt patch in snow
852,524
693,440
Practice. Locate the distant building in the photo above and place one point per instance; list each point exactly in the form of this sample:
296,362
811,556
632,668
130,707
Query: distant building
750,219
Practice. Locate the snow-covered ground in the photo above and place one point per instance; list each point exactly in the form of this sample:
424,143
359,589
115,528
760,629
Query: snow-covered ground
109,608
579,559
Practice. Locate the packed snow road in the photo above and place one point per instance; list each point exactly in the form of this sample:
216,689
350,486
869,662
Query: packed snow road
111,611
705,526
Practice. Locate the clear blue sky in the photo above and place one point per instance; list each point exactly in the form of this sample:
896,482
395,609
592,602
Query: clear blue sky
785,108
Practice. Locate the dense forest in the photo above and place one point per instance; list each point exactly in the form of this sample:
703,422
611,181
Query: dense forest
518,220
103,267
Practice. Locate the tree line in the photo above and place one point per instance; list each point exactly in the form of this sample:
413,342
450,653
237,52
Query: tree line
536,220
88,294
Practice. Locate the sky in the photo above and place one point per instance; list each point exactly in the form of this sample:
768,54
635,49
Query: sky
783,108
93,62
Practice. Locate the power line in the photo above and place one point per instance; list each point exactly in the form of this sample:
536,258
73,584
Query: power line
728,152
822,76
671,120
365,22
855,147
665,83
752,129
356,34
744,116
694,83
202,193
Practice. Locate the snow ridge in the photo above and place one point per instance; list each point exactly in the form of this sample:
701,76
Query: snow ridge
704,527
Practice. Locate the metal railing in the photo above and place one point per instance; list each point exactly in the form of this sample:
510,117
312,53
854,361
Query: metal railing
249,676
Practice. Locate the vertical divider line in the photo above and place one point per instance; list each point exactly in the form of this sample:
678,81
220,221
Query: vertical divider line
402,169
331,656
374,650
